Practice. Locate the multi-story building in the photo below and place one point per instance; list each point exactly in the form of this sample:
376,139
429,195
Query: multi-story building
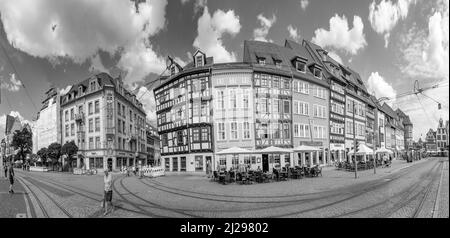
47,127
408,128
394,131
106,122
184,113
442,136
430,141
333,72
234,123
355,99
152,144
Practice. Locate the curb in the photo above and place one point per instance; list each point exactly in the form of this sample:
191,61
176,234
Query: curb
437,201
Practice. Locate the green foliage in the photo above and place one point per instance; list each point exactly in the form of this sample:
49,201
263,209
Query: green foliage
23,141
54,152
43,154
69,149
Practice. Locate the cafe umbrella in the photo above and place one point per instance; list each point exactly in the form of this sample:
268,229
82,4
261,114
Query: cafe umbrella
234,151
305,148
275,150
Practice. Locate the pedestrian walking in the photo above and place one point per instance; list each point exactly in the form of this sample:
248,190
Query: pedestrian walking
107,200
5,168
11,178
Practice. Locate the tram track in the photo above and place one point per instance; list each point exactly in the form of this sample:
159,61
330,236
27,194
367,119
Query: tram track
402,196
60,207
38,201
71,189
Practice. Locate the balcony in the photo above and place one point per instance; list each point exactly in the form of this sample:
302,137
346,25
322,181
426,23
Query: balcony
79,117
81,133
110,131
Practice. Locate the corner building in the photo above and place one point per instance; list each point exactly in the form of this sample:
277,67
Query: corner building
106,122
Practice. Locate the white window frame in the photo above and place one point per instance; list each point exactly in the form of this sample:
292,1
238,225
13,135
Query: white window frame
246,130
234,135
304,66
221,131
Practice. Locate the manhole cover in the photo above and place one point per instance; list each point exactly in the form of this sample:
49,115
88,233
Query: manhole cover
21,215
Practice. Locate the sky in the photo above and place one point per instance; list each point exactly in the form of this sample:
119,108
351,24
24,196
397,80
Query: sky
391,43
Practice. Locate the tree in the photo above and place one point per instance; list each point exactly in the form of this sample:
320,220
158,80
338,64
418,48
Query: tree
22,140
69,149
43,154
53,153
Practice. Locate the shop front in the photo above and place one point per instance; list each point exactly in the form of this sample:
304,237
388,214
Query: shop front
337,152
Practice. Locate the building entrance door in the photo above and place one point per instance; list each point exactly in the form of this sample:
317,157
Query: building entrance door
110,164
208,165
265,162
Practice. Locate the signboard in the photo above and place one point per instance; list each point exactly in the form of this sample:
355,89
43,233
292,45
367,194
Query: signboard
311,143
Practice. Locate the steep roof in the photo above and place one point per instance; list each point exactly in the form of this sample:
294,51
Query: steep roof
406,119
103,79
389,111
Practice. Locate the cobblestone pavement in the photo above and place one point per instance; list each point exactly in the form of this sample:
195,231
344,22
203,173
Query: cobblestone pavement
442,208
13,205
403,190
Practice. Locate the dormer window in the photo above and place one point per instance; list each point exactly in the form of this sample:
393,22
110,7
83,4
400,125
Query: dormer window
300,66
92,86
172,70
80,89
278,63
199,61
317,73
261,61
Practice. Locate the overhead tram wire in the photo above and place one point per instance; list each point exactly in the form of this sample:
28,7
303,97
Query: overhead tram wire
18,76
426,113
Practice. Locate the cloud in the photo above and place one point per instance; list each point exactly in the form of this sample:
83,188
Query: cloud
335,56
77,30
97,65
184,1
381,88
147,98
293,33
260,33
340,37
210,31
12,84
425,53
304,4
385,16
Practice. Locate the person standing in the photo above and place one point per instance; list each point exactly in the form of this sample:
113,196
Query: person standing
5,168
11,178
107,200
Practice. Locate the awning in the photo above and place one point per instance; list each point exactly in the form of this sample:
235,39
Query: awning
306,148
274,149
234,150
363,149
384,150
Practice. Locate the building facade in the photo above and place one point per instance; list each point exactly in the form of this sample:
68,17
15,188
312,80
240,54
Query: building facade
153,143
47,126
430,141
106,122
442,135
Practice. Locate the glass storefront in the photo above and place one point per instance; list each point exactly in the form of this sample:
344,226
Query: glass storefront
183,164
198,163
96,163
174,164
167,164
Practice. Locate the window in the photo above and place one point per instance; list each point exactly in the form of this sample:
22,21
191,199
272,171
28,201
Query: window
123,110
199,61
221,131
71,114
286,84
205,134
245,98
303,108
246,130
97,142
296,107
91,125
119,126
66,115
72,129
97,106
164,140
287,106
286,131
118,109
296,132
80,109
301,130
204,108
92,86
220,100
262,105
97,124
261,61
275,106
196,135
278,63
91,143
67,130
90,108
301,66
276,82
303,87
234,131
233,99
317,73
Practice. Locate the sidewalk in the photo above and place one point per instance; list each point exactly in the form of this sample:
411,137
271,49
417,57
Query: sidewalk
12,205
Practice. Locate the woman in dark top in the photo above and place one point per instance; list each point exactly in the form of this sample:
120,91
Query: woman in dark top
11,178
